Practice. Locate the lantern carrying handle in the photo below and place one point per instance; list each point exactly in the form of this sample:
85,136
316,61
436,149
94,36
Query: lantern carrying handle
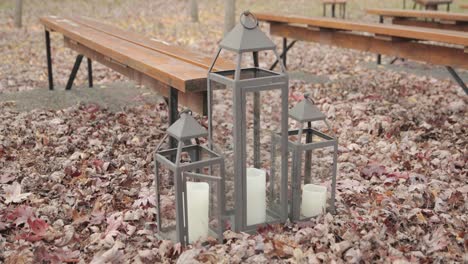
246,14
186,111
308,97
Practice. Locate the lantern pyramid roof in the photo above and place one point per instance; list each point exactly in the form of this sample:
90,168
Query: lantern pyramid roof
247,37
306,111
186,127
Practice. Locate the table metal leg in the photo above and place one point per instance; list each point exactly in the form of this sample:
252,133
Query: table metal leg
75,69
90,73
173,111
49,60
457,78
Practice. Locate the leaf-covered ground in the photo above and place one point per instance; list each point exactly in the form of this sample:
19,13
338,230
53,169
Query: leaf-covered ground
76,185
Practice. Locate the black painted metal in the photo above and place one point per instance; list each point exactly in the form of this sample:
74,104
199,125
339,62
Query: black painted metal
173,111
75,69
379,56
457,78
49,60
283,54
90,73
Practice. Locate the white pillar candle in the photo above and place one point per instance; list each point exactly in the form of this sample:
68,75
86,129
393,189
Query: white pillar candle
256,196
197,209
314,200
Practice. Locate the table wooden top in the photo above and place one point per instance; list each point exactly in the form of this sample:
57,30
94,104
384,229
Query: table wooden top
405,13
409,32
172,65
433,2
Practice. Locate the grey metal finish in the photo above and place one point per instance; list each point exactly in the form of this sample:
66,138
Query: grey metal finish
256,118
183,131
185,128
306,112
247,37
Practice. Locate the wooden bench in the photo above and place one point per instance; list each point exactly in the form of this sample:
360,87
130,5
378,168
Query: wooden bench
429,19
440,47
176,73
431,4
333,3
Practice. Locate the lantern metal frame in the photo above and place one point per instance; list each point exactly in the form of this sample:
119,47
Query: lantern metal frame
182,171
298,149
243,81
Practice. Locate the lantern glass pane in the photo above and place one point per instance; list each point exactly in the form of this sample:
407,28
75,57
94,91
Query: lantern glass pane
222,134
316,178
203,204
263,120
166,204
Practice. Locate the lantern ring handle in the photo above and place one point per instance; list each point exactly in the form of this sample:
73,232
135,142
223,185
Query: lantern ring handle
248,13
308,97
186,111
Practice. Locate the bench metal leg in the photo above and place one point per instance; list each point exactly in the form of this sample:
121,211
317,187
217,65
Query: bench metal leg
457,78
333,10
173,111
283,54
75,69
379,56
49,60
90,73
256,113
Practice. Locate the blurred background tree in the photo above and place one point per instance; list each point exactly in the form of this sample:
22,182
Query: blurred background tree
229,15
194,10
19,13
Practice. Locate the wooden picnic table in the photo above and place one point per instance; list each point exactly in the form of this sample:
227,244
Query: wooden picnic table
333,3
440,47
177,73
432,4
430,19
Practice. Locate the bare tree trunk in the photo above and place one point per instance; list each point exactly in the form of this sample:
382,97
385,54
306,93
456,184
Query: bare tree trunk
229,15
18,13
194,10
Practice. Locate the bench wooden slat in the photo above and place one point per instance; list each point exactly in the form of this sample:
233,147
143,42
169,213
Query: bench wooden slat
180,53
447,16
444,36
193,100
176,73
435,54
